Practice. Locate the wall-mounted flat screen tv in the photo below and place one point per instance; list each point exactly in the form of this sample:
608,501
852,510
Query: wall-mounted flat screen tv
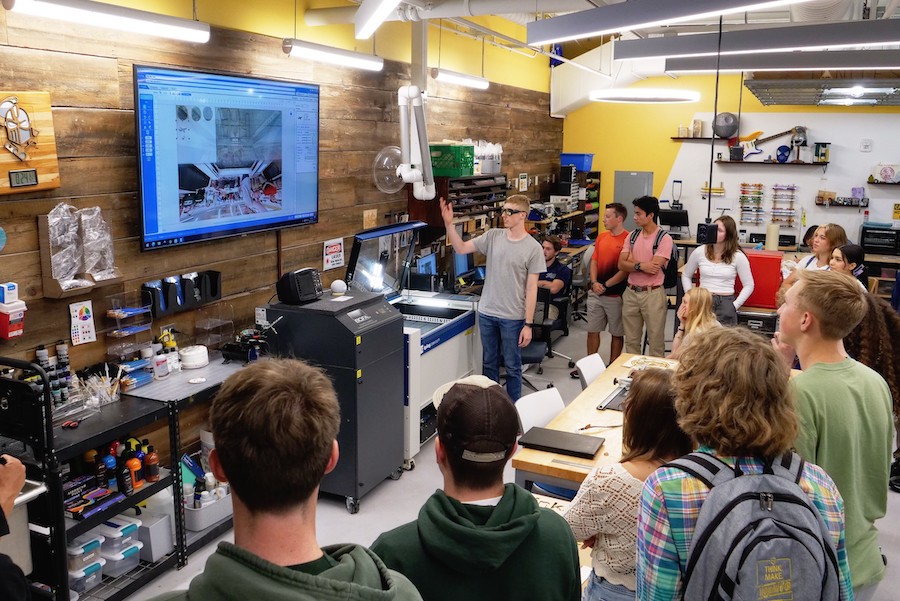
222,155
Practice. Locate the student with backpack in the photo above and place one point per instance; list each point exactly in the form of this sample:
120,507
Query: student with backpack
647,258
743,517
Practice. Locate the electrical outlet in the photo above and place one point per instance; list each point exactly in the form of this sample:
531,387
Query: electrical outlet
865,145
370,218
168,326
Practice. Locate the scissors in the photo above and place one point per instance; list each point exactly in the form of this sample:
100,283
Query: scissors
70,424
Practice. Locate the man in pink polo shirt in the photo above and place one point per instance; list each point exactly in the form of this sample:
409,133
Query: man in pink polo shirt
644,300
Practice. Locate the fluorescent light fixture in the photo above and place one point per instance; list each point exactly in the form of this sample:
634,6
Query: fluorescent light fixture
859,91
460,79
849,101
858,60
97,14
370,15
637,14
328,54
644,95
840,35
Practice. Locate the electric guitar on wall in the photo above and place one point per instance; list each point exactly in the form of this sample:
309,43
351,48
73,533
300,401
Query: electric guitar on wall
748,143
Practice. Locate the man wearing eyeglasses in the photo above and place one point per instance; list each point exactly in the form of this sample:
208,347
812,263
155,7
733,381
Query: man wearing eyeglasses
514,260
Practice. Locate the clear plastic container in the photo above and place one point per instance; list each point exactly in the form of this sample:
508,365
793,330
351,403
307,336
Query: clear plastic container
124,561
84,550
120,532
84,580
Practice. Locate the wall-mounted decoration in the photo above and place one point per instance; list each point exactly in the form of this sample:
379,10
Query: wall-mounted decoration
28,157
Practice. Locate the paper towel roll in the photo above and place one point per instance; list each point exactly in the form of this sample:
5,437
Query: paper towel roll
772,232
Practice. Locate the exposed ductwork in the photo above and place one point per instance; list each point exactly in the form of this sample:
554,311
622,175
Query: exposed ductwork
826,10
511,9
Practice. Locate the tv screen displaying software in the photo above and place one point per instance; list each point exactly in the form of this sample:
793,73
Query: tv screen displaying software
222,155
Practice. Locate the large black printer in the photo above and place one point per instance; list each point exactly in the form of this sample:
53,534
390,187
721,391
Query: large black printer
357,338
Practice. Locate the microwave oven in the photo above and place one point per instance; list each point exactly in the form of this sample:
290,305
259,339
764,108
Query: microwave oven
879,240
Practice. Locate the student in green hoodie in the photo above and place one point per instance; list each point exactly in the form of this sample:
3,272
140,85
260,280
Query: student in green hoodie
478,539
275,425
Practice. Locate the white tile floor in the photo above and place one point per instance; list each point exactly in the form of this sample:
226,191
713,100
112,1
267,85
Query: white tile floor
395,502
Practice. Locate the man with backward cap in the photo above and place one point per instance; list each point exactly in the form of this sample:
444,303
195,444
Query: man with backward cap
479,538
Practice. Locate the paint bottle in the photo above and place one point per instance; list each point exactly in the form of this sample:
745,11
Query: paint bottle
123,477
109,462
151,465
100,473
199,489
134,468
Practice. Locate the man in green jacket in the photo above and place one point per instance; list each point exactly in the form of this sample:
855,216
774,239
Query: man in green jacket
845,410
275,425
478,539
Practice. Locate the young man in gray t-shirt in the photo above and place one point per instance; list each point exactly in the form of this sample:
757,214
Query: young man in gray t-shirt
514,260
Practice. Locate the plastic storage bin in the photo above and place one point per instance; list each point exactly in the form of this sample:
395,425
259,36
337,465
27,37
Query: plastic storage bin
120,532
582,161
83,551
124,561
201,519
84,580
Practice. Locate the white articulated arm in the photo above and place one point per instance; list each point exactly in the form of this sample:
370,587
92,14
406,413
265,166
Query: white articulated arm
415,156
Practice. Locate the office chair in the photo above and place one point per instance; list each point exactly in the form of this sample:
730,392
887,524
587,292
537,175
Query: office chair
537,409
545,326
589,368
581,280
538,348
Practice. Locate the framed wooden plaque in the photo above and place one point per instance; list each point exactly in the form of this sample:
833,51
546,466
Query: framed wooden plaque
28,153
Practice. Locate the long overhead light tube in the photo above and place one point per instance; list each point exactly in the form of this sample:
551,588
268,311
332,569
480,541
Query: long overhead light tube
120,18
858,60
637,14
328,54
370,15
460,79
845,34
644,95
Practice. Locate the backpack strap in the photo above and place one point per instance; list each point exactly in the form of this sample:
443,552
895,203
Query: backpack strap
707,468
790,466
659,236
633,238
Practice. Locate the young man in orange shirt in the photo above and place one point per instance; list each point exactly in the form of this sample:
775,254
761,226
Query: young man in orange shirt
604,302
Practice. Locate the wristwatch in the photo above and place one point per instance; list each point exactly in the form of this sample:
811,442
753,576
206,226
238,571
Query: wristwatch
637,266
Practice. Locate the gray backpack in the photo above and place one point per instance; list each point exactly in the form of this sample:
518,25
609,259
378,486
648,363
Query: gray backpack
758,536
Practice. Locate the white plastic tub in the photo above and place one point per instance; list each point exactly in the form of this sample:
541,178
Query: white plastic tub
124,561
84,580
83,551
120,532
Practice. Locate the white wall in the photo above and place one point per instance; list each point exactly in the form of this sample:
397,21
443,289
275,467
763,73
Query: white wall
849,167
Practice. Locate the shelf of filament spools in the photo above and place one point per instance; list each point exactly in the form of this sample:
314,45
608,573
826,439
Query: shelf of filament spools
783,198
750,200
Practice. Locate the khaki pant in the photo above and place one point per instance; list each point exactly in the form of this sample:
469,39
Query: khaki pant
648,309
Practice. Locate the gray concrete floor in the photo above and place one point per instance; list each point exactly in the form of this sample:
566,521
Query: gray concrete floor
395,502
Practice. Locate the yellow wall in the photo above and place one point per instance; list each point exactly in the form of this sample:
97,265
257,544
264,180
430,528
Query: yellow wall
636,136
522,69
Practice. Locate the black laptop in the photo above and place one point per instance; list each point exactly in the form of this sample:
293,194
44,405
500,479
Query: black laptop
566,443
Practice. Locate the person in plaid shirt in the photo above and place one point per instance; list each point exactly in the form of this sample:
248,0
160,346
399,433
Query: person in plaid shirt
734,400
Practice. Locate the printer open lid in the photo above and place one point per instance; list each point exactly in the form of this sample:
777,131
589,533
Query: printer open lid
381,258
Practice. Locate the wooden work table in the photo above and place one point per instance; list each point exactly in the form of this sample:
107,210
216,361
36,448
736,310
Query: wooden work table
568,471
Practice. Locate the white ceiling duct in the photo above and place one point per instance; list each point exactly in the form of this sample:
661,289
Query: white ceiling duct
448,9
826,10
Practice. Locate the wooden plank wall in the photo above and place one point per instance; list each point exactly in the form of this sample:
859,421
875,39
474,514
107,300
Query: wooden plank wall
89,78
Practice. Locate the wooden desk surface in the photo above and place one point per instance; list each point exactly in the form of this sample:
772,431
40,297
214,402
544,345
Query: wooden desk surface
575,250
580,412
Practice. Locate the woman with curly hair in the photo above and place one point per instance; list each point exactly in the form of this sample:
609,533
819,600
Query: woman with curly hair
872,344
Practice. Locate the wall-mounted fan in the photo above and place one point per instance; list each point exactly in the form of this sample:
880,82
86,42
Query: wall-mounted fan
384,170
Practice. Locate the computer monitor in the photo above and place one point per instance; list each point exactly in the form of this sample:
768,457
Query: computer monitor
427,264
463,264
674,218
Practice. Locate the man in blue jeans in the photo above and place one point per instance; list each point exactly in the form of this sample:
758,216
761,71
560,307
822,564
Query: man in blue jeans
514,260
